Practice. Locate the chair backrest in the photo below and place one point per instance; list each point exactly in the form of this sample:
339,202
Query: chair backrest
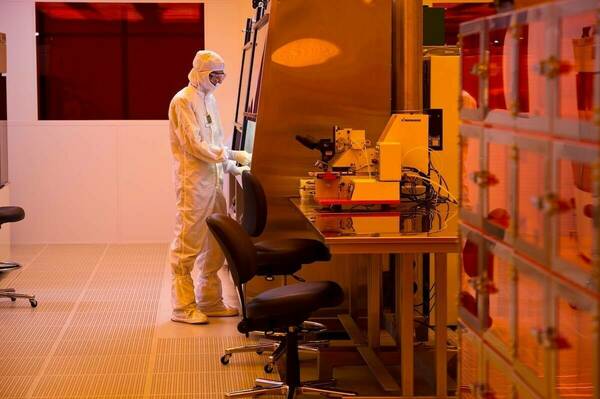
238,249
254,219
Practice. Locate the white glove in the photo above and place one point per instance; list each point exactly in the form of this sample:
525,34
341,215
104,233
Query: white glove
238,170
241,157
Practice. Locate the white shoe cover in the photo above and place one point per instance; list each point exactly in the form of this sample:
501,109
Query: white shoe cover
220,310
192,316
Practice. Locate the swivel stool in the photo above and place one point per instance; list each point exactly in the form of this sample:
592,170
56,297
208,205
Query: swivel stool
280,310
11,214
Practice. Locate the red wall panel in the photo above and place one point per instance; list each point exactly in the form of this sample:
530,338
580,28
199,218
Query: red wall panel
114,60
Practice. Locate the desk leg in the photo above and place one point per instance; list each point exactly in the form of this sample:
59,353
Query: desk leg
404,306
441,311
374,273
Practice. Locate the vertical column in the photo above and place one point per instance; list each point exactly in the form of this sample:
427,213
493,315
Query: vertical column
404,306
407,60
374,272
441,312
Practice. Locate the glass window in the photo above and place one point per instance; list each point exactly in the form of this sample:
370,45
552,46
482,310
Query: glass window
257,68
498,212
532,84
471,53
530,321
470,153
575,226
114,60
499,282
576,335
499,73
531,188
577,41
244,80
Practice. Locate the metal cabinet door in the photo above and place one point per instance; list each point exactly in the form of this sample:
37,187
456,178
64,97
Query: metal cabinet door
574,220
534,96
498,185
469,360
533,172
472,174
531,357
574,67
573,340
473,70
501,66
471,279
498,296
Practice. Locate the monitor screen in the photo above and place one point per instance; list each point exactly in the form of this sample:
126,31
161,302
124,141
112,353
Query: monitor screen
249,136
244,81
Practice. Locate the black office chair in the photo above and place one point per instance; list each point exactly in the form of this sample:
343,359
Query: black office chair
276,257
280,310
281,256
11,214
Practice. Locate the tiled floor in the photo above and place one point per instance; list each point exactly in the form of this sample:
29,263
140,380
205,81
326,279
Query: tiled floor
102,330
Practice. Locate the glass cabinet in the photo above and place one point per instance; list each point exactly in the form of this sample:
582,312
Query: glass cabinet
530,202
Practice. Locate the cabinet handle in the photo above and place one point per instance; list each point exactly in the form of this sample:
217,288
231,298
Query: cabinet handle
484,178
550,339
480,69
550,204
552,67
474,283
482,285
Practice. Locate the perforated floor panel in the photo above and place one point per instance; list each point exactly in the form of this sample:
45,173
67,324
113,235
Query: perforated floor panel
102,330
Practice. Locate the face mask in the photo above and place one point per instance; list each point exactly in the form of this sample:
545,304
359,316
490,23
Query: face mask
206,85
201,81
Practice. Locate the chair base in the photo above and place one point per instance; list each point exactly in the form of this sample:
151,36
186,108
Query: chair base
271,387
10,293
275,347
9,265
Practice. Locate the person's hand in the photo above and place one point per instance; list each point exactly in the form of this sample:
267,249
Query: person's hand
241,157
240,169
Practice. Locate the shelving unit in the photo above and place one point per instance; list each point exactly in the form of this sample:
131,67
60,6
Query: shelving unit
530,186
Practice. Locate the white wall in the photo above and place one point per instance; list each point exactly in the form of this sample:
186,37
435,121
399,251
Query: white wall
5,230
98,181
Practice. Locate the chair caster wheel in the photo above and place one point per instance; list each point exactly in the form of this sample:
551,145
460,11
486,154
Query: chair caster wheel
225,359
33,303
259,352
268,368
13,299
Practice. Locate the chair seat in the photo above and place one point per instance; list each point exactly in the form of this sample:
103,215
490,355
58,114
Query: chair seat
10,214
291,250
291,304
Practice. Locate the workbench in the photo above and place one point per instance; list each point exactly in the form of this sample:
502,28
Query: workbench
406,231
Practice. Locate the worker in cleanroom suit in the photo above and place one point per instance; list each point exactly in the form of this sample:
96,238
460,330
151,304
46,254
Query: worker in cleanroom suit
200,159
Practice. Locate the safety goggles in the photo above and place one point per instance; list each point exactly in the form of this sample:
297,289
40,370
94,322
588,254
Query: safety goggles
218,75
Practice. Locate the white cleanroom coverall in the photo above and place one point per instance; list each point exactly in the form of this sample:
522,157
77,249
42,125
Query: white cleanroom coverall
200,159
